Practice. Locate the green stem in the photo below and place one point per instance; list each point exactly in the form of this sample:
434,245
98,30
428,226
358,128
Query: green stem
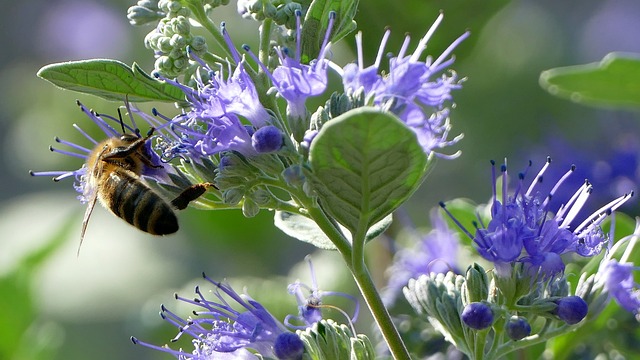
479,343
379,311
526,342
354,258
329,229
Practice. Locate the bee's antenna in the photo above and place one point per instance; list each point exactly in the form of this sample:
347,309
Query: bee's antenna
133,121
121,122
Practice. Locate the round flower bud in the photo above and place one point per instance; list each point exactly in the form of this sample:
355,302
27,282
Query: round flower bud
477,315
140,15
571,309
267,139
518,328
288,346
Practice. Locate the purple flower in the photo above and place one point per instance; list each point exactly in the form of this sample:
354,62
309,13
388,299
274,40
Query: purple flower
410,89
309,300
571,309
213,124
295,81
522,228
83,183
436,252
618,281
220,331
477,315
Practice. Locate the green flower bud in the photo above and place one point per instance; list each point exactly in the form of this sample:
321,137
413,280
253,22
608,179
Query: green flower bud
250,208
476,287
280,17
176,54
261,196
318,118
169,5
269,10
185,12
164,45
198,44
139,15
327,340
294,176
151,40
255,6
163,64
180,63
178,41
180,25
232,196
437,296
338,104
149,4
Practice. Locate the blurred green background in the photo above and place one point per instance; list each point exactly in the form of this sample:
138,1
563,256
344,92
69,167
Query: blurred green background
59,306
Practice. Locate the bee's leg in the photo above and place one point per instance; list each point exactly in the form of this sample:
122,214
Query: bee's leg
189,194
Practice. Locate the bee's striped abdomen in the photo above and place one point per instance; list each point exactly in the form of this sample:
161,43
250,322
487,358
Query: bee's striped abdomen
130,199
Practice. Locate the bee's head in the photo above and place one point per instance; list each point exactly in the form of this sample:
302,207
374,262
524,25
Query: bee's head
129,138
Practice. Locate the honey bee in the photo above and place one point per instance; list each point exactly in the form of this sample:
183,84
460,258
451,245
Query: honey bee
114,169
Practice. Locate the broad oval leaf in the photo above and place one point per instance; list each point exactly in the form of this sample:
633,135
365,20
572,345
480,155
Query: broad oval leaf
110,79
365,163
612,82
305,229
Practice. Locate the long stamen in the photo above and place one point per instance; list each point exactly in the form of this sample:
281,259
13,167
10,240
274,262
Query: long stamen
577,206
455,221
227,39
87,136
69,153
558,184
505,178
565,207
598,214
298,15
539,176
380,54
422,45
70,144
106,128
325,42
521,177
437,65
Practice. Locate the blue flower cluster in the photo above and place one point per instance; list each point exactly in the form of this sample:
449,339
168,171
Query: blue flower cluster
523,229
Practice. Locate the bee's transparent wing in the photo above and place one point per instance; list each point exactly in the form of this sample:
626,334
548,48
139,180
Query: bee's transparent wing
92,189
87,214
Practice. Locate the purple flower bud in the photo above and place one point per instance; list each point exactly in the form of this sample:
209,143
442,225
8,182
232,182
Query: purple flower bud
477,315
225,161
518,328
288,346
267,139
571,309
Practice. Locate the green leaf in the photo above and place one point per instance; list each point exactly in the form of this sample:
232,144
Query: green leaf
110,79
305,229
612,82
316,21
17,288
365,163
